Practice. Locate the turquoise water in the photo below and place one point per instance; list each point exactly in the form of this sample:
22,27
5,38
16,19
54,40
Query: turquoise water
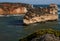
12,28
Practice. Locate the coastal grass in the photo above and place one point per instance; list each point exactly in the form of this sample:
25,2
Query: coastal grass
40,33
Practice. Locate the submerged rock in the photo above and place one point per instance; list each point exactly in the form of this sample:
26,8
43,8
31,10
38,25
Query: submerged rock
47,37
41,14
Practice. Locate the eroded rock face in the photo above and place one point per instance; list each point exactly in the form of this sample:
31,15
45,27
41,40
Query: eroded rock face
41,14
47,37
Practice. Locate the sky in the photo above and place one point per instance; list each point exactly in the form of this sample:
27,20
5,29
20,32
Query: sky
33,1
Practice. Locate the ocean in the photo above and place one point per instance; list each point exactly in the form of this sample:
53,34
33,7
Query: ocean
12,28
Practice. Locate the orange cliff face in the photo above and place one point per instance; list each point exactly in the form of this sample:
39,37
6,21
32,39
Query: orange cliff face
2,12
13,8
19,10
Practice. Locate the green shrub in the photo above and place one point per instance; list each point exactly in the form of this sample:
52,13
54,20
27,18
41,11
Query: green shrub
49,31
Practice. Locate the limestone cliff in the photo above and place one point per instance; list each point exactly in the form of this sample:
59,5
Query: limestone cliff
41,14
13,8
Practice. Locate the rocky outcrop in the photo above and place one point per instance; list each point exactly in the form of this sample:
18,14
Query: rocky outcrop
46,37
43,35
41,14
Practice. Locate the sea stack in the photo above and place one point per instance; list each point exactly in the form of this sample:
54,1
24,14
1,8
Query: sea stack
43,14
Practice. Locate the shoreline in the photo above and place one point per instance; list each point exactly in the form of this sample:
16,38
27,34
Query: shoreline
12,15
